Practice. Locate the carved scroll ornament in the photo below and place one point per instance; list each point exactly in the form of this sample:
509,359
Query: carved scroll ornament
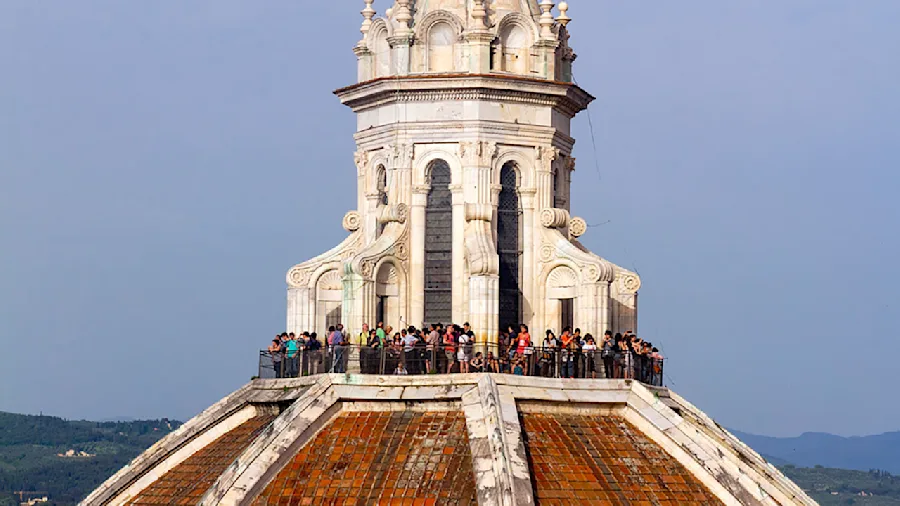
554,218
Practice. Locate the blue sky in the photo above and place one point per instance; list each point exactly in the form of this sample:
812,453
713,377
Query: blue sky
163,164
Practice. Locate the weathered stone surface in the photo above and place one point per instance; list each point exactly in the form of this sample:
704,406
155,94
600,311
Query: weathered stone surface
490,405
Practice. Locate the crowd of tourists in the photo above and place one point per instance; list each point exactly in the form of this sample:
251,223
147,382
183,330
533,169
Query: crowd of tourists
455,349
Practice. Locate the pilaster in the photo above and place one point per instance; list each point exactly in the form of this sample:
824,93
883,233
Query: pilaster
400,51
529,264
459,252
417,255
370,220
479,45
364,70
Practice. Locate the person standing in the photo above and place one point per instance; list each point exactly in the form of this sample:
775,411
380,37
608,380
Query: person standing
566,353
408,341
606,354
431,346
338,343
292,355
589,350
277,354
314,350
548,355
461,355
525,349
450,348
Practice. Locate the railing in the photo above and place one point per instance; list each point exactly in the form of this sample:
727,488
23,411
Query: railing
446,359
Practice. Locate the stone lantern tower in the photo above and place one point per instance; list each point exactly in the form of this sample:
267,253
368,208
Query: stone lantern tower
464,165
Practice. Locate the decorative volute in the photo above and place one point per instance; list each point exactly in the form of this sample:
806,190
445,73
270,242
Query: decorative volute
521,37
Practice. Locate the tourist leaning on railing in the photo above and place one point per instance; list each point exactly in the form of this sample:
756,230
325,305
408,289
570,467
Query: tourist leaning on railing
452,349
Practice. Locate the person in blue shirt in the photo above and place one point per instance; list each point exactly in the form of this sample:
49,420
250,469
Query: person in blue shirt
293,354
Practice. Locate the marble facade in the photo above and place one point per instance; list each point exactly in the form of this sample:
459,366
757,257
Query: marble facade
464,166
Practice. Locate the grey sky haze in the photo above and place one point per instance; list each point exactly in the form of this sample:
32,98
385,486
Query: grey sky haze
163,164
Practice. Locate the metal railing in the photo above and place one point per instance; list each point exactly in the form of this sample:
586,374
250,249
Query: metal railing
447,359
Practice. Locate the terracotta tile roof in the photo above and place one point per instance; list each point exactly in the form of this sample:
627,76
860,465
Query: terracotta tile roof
187,482
380,458
579,459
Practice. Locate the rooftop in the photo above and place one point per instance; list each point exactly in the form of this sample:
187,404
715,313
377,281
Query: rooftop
449,439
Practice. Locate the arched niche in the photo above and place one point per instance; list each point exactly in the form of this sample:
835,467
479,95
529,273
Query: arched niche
440,31
561,298
441,55
388,294
512,48
381,48
329,297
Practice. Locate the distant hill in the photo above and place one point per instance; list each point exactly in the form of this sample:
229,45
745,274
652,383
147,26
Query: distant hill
33,456
814,448
833,487
67,459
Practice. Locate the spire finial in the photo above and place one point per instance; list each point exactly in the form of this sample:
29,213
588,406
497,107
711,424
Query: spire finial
368,13
479,13
546,19
563,18
404,16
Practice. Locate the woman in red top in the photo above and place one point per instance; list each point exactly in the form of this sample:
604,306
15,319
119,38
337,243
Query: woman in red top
523,341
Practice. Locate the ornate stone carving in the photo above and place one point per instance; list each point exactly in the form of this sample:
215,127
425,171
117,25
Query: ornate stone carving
547,253
387,274
400,155
297,277
479,212
366,268
401,251
439,16
481,253
562,277
554,218
477,153
629,282
330,280
361,159
545,155
594,273
352,221
577,227
591,273
396,213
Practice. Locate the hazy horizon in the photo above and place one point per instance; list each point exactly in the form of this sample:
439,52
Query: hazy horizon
163,165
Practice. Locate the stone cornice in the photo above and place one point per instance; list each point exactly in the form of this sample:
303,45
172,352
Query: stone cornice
566,97
449,132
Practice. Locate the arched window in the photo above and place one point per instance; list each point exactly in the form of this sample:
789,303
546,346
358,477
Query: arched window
509,247
441,41
382,186
439,246
514,49
382,56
